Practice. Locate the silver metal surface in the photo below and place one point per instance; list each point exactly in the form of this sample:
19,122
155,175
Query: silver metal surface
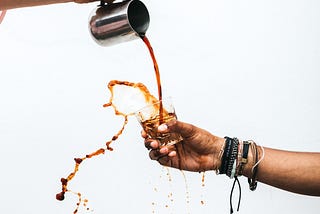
114,23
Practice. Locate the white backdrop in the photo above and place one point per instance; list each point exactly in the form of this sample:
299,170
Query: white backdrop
239,68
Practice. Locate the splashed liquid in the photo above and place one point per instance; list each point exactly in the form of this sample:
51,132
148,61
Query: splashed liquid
187,192
120,91
139,96
203,175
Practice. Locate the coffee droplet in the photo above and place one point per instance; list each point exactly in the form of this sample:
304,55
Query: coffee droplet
60,196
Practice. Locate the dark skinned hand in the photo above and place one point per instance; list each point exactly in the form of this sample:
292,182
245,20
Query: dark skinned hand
197,152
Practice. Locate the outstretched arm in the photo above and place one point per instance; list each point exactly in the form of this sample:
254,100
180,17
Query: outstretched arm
11,4
297,172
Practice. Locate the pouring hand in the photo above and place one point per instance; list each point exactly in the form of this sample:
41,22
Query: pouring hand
87,1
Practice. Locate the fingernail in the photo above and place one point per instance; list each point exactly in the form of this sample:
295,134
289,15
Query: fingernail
154,144
162,127
172,154
164,150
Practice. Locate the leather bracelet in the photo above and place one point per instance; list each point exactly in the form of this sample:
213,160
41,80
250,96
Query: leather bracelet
244,159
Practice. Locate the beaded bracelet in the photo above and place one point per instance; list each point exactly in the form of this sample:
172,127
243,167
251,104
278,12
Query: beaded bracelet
239,158
225,157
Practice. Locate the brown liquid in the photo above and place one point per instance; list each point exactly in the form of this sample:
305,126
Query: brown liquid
148,98
151,128
157,73
187,191
203,174
112,87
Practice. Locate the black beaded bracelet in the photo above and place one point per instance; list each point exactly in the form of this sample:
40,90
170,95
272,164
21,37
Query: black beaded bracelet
224,162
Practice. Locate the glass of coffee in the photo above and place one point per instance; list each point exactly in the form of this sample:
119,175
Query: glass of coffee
153,115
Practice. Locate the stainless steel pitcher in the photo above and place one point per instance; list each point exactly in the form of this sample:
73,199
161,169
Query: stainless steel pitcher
114,23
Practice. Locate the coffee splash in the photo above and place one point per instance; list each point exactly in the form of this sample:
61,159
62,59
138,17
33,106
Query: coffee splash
126,98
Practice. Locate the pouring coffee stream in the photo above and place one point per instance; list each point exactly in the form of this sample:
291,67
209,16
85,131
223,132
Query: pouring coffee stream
157,73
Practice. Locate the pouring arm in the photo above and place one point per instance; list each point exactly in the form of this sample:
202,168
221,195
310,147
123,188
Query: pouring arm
11,4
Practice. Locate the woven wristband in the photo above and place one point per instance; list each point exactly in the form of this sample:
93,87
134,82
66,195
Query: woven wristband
225,156
233,156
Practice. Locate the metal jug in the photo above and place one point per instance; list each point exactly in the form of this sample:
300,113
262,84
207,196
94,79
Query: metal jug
113,23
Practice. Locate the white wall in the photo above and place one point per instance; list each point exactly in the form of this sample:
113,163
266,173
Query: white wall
239,68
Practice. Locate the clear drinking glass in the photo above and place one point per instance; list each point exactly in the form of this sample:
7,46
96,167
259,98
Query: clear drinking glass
149,117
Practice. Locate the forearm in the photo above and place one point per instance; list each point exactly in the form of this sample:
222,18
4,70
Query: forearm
11,4
297,172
